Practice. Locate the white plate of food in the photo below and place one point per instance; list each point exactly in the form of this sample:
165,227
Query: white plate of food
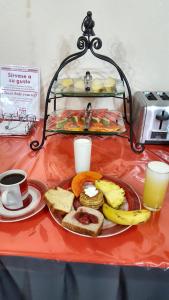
91,216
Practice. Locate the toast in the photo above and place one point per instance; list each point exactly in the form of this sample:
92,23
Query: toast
73,222
59,200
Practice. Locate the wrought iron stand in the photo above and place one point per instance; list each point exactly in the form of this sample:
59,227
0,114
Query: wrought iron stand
88,42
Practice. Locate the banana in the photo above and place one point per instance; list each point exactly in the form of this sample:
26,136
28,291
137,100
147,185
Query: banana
125,217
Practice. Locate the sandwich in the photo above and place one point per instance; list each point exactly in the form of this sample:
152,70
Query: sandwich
109,84
84,220
97,86
59,200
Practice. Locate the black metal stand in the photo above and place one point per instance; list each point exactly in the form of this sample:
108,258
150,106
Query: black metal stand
85,43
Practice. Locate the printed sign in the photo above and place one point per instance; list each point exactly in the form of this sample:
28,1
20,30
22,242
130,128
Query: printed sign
19,92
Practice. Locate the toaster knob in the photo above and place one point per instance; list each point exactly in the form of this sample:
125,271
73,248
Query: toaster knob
163,117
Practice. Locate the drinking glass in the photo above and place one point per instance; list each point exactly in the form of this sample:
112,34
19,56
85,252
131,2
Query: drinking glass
82,153
155,186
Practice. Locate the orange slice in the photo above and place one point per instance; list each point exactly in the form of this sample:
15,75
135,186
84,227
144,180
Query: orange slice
82,177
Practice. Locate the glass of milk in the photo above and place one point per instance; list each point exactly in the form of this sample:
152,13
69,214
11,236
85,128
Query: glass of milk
82,153
155,186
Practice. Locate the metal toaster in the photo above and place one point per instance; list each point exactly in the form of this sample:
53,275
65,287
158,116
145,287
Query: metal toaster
151,117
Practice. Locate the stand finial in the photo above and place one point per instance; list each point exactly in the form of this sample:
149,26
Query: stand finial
87,25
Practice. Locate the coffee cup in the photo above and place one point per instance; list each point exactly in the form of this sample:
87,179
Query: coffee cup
14,189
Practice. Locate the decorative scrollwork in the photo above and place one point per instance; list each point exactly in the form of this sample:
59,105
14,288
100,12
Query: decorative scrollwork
34,145
137,148
82,43
96,43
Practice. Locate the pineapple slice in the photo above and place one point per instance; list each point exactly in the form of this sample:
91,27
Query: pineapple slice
115,198
113,193
106,186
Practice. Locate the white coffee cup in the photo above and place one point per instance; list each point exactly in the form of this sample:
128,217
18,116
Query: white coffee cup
82,153
14,189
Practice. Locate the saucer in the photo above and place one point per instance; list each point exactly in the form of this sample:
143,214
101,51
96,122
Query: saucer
36,190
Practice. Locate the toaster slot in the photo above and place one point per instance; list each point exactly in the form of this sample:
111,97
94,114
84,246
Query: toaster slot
150,96
163,96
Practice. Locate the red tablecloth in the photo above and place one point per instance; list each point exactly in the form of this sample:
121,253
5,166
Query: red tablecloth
143,245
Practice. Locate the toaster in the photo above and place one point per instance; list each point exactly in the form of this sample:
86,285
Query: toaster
150,115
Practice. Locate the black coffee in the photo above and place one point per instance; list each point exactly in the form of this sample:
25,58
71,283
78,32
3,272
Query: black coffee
12,178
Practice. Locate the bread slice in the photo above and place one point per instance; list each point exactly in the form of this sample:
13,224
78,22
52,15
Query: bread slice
92,229
59,200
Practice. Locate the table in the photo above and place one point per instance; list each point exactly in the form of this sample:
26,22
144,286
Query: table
118,262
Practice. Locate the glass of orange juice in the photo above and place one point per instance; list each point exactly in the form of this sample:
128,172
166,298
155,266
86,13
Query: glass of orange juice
155,186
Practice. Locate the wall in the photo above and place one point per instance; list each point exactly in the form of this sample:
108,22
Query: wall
134,33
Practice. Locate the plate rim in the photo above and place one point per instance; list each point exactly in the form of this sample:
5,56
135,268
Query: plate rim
126,227
35,184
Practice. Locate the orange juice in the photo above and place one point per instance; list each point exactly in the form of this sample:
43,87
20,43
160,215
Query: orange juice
156,182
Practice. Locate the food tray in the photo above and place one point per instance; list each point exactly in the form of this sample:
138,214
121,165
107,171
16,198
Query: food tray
73,121
76,87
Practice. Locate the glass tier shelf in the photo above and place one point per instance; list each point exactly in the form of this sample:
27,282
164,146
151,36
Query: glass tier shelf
87,94
102,122
84,132
115,89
